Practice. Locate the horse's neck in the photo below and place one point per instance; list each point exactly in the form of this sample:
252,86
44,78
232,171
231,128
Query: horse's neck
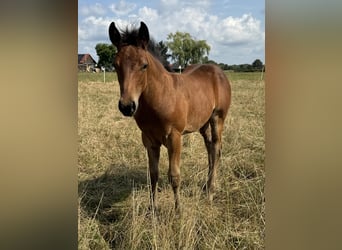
159,81
156,67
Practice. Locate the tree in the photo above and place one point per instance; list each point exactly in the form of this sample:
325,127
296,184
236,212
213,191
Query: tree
224,66
185,49
159,50
163,50
106,54
257,65
199,50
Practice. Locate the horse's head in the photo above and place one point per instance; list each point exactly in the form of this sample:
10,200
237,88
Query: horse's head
131,66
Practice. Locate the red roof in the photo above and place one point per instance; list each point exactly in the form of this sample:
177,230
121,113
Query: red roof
85,58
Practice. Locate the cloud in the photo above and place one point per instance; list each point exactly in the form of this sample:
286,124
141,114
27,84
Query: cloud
148,14
96,9
94,28
169,3
230,31
238,31
231,38
122,8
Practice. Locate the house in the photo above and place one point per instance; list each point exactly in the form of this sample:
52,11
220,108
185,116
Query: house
86,63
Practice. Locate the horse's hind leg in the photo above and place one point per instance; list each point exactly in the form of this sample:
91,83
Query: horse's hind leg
174,145
206,133
216,124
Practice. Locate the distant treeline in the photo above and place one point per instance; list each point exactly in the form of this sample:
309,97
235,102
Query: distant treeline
256,66
196,53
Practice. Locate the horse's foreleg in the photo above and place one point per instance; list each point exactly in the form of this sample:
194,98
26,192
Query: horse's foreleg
174,145
153,152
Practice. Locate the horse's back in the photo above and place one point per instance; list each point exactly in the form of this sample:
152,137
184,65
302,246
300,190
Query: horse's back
215,82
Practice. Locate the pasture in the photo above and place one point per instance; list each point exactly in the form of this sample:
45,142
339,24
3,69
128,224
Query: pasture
113,176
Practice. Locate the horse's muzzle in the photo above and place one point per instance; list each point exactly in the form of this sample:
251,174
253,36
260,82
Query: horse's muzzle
127,109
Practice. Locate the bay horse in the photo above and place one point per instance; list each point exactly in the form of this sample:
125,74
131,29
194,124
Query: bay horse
168,105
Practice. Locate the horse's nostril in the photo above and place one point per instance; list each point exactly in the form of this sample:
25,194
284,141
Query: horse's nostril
133,107
128,109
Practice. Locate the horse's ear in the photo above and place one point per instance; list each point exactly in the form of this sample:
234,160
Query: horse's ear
144,36
114,35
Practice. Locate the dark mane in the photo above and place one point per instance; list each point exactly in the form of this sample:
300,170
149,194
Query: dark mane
131,36
155,50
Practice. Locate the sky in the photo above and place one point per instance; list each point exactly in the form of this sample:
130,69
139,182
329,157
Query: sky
234,29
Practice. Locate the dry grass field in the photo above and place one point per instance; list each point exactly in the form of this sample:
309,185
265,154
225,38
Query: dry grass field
113,179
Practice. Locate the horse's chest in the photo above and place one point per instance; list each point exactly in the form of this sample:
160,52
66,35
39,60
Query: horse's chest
153,126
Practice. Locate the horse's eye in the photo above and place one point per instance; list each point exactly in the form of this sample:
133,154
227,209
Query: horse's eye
144,66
